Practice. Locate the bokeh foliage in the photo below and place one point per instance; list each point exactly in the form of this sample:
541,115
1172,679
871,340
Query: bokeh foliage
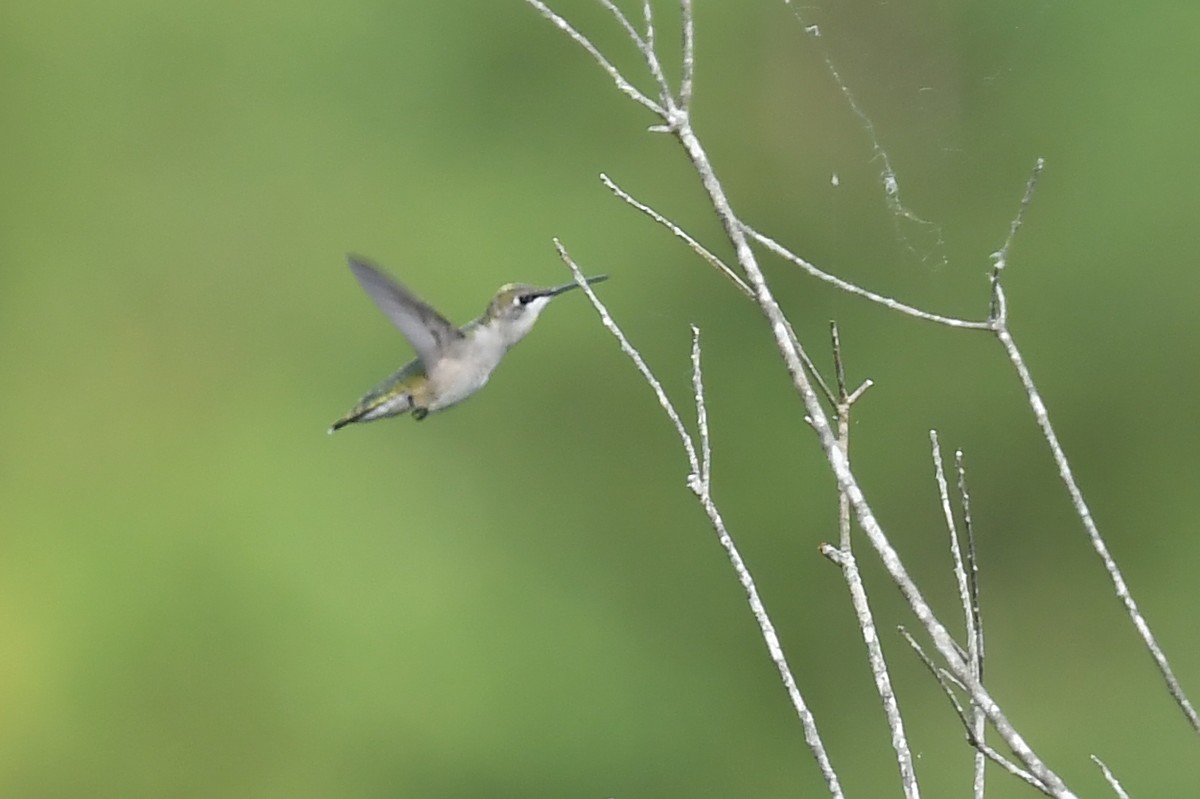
203,595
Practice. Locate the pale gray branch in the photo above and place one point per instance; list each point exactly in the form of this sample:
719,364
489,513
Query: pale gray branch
646,48
648,18
701,414
689,56
959,567
966,600
944,681
625,86
698,482
681,234
1113,782
668,407
975,652
1042,418
858,590
679,124
851,288
1000,256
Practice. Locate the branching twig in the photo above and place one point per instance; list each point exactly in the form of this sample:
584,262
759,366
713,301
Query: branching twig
975,646
944,681
680,233
625,86
851,288
675,118
858,590
963,570
699,481
975,651
960,570
1000,256
1042,417
721,267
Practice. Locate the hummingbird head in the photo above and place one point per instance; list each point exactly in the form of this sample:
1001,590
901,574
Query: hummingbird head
516,307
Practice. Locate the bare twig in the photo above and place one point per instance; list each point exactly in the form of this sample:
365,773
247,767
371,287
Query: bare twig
1113,782
975,651
960,571
699,483
678,123
720,266
649,55
851,288
1000,256
701,415
648,18
668,407
1042,417
680,233
630,31
839,371
625,86
945,682
975,646
689,56
858,590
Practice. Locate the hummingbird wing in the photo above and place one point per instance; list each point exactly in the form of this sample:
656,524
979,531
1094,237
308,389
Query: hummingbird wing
427,331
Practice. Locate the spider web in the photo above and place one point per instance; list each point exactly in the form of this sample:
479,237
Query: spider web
920,237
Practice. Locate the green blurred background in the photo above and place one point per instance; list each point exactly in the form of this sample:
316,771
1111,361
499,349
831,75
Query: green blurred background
203,595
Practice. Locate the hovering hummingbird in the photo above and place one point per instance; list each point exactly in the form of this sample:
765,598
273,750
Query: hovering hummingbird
452,363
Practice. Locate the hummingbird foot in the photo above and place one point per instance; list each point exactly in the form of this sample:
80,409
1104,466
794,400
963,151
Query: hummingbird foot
420,413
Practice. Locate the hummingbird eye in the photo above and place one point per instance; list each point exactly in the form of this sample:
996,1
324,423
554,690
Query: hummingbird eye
525,299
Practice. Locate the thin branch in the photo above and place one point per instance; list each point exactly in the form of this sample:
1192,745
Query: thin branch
847,482
960,571
698,483
635,356
975,650
813,372
1113,782
1042,417
701,415
678,123
858,590
625,86
980,746
720,266
976,646
680,233
630,31
851,288
839,374
1093,532
1000,256
943,682
858,392
689,55
646,48
648,18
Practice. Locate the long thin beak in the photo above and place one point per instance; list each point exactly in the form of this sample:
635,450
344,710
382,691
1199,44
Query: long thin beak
568,286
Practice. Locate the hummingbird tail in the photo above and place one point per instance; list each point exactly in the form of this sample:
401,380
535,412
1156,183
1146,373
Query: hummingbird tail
375,406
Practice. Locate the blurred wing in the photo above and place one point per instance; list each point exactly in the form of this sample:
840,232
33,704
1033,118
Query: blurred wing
427,330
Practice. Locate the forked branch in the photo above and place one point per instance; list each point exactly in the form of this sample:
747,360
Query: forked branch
700,482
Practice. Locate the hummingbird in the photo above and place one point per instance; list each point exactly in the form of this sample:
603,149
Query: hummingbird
452,363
